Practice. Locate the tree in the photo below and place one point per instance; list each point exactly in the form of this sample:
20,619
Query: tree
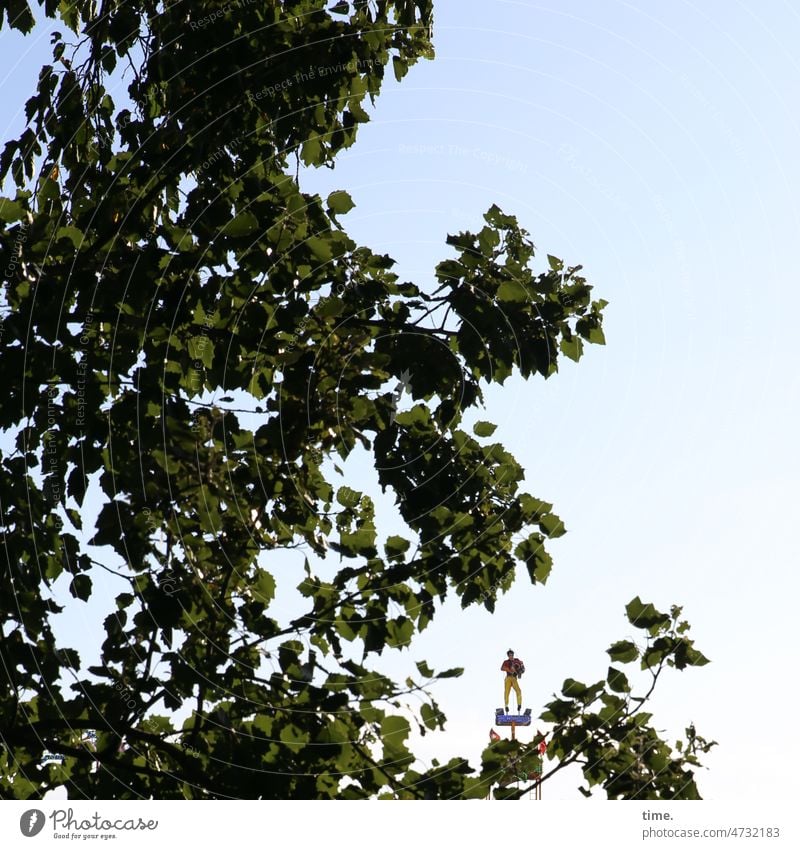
167,280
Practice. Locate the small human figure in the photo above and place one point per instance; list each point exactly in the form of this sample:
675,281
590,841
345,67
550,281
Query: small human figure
513,667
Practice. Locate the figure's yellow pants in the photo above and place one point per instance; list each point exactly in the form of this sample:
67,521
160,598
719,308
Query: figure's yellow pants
511,681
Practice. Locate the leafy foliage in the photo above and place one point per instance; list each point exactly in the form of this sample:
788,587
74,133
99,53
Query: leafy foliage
168,283
603,728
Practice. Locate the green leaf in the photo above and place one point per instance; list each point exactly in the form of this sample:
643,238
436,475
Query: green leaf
596,336
11,210
348,497
394,731
400,68
618,681
263,587
293,737
71,658
497,218
81,587
361,541
652,657
124,600
418,415
544,566
311,153
512,291
19,16
49,190
340,202
329,308
73,234
424,669
572,348
429,716
573,689
396,546
488,240
455,672
532,507
321,248
399,632
484,428
687,655
202,348
552,526
645,616
696,658
623,651
242,225
531,550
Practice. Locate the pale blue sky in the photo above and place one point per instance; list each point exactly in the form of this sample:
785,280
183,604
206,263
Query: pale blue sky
655,144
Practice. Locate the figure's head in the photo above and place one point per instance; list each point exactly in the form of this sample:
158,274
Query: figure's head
510,653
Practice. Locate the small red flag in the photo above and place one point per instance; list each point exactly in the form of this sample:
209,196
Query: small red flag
493,735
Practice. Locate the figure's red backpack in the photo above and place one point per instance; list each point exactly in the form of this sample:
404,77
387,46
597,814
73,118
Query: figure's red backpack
519,667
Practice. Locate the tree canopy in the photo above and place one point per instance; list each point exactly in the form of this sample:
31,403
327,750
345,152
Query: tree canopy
168,283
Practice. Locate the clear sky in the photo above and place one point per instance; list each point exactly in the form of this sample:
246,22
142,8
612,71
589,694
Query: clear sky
656,144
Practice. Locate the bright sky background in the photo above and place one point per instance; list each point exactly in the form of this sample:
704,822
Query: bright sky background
656,144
